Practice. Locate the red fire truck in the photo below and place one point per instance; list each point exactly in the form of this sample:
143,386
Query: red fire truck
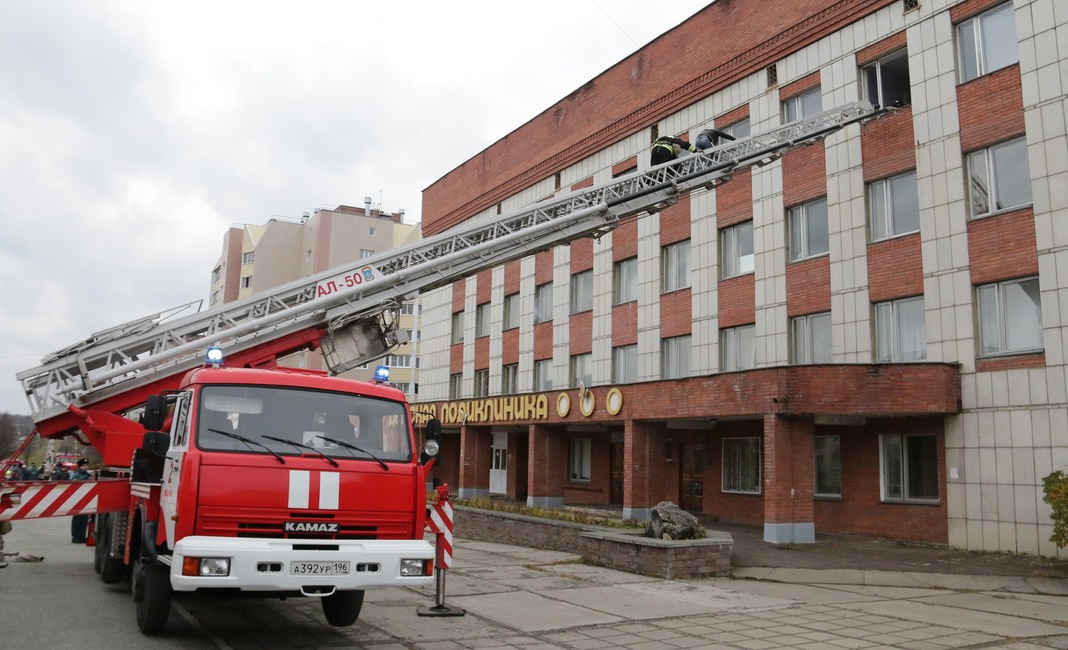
226,472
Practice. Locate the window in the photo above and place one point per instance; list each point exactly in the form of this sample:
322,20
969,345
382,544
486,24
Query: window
894,206
246,281
675,266
458,327
675,357
456,386
624,364
736,250
409,308
582,292
482,320
886,81
511,311
510,379
739,129
828,466
214,298
737,346
1010,317
581,370
482,382
246,258
625,281
811,338
987,42
413,335
803,105
216,273
741,465
999,178
543,375
909,467
543,302
365,253
808,230
900,330
399,360
371,231
580,460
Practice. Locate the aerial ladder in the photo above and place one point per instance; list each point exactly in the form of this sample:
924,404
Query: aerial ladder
351,311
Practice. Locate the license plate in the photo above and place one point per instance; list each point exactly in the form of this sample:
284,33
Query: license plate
319,568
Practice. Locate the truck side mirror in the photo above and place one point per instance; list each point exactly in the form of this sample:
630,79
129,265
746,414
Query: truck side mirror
155,413
433,441
156,443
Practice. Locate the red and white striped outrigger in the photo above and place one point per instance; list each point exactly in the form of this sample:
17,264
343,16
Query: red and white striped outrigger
39,499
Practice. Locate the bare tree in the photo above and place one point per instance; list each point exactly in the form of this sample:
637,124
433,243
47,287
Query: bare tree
9,435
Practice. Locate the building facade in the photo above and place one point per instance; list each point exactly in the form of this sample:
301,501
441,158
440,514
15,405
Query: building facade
865,336
256,257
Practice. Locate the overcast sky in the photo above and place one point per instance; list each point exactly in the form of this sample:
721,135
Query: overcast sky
133,134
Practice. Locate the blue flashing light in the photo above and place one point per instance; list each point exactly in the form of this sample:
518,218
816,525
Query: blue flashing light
214,356
382,374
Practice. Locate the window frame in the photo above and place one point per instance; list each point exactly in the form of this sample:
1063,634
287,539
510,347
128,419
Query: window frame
543,375
625,281
457,334
973,36
731,342
579,463
732,241
543,303
510,379
895,306
482,320
803,340
482,376
625,364
580,368
904,468
675,356
456,385
1004,324
799,220
741,484
800,105
581,299
675,266
874,78
511,311
827,466
993,176
887,210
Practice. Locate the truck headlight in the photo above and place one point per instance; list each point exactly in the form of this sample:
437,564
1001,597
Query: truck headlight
411,568
206,566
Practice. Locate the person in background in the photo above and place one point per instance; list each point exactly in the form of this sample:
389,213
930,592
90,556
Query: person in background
710,138
79,524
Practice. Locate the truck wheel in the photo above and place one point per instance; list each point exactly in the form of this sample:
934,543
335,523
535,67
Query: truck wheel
342,608
110,568
152,594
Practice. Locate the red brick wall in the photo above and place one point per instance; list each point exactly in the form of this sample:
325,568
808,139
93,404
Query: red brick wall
990,109
676,316
456,358
482,345
721,44
543,341
737,301
459,289
543,267
511,277
734,200
808,286
675,222
580,330
895,268
510,346
888,145
625,240
484,286
581,255
804,173
1002,247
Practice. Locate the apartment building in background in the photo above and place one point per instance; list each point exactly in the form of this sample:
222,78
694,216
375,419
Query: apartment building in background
257,257
866,336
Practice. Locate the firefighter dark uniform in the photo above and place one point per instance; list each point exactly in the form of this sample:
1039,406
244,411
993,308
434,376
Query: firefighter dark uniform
667,148
710,138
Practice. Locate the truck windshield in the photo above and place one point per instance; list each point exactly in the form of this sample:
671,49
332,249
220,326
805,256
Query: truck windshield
291,421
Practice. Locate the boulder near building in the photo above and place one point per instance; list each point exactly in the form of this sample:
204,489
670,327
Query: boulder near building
864,336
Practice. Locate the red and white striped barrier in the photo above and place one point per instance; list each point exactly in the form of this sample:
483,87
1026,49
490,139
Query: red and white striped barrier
440,522
37,500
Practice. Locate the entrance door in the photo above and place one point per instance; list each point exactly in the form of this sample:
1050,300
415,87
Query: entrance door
498,483
615,489
692,478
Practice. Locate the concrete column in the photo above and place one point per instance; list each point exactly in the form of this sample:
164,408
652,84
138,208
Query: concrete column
475,444
789,477
548,456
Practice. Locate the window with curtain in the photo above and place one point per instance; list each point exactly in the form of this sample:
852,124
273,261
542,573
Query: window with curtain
1010,317
900,330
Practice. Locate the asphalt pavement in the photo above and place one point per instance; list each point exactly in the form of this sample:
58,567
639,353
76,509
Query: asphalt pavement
817,596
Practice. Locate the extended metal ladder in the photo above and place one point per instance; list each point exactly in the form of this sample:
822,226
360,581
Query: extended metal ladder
165,344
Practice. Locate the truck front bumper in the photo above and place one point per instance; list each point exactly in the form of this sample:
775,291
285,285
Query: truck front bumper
264,564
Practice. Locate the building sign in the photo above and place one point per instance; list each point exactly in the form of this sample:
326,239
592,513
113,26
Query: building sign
509,408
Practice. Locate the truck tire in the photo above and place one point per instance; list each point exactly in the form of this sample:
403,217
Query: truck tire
342,608
111,535
152,595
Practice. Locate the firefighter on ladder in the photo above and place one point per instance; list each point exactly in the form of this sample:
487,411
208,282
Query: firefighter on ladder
667,148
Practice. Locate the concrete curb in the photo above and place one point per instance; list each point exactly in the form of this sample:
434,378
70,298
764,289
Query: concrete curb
1013,584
